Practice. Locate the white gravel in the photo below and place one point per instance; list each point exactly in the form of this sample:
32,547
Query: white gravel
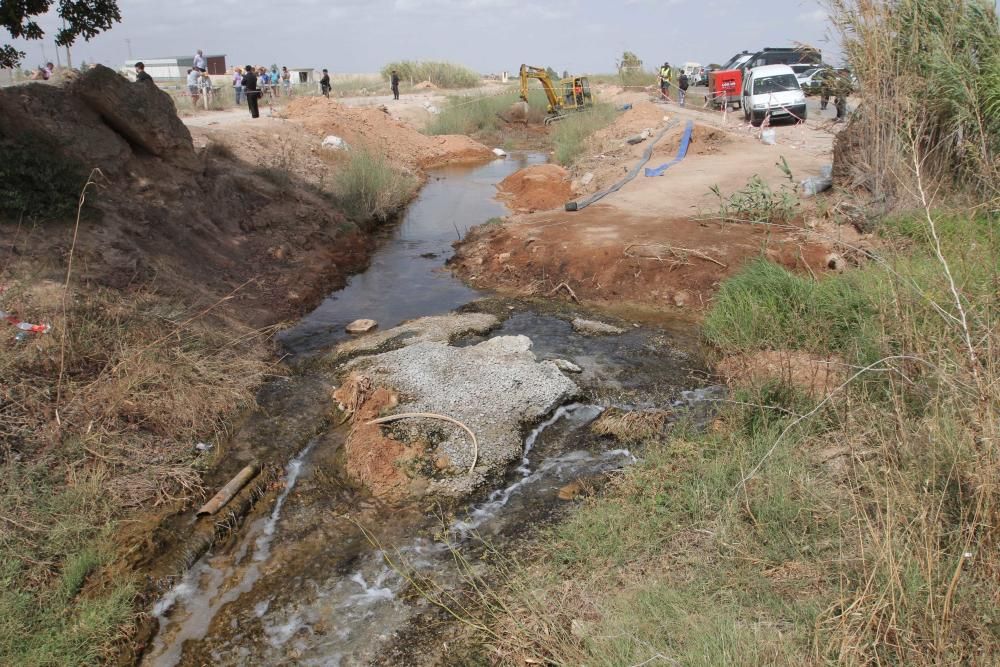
495,388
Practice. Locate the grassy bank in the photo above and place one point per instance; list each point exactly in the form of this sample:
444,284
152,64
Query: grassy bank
98,421
369,188
857,525
569,138
483,114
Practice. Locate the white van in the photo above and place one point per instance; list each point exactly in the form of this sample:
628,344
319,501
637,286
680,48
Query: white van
774,90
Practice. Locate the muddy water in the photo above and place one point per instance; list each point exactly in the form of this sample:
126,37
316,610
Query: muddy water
322,573
406,278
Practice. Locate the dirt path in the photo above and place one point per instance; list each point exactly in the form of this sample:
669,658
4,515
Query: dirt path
659,241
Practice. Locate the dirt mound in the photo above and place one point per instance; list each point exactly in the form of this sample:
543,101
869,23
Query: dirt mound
536,188
201,224
642,115
425,85
376,130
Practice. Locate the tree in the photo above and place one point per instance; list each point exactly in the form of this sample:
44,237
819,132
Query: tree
83,18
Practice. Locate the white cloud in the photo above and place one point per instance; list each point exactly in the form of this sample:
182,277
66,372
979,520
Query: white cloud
815,16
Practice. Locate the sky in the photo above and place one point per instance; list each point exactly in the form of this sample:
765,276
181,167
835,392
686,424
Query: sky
582,36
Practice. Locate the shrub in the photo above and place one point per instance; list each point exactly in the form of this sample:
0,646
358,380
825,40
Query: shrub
930,91
372,189
442,75
571,134
37,182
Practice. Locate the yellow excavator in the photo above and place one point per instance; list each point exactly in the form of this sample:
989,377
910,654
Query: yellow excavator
573,93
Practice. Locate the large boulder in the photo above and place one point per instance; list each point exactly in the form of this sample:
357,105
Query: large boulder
139,111
47,112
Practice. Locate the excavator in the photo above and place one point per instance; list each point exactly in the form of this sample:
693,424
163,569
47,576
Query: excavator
572,93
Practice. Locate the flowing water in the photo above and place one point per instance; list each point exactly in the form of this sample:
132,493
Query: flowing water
324,574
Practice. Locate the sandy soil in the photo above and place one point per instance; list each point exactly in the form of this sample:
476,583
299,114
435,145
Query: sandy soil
658,241
537,188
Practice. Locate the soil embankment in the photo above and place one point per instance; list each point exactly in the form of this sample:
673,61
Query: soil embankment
659,241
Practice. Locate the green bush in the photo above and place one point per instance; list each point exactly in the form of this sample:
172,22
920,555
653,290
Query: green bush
37,182
370,188
571,133
442,75
766,307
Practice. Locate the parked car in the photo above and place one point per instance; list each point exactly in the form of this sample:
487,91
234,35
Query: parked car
811,80
772,90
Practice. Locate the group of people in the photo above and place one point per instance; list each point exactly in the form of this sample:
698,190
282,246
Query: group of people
270,83
666,79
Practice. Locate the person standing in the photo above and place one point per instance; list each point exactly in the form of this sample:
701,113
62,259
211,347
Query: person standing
193,81
394,81
199,62
238,85
324,84
140,73
841,89
666,76
824,88
250,90
286,81
682,87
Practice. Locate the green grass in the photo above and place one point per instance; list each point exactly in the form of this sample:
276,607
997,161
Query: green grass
441,74
799,530
768,307
372,189
571,134
479,115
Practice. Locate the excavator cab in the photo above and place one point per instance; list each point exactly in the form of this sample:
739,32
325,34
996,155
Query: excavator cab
576,93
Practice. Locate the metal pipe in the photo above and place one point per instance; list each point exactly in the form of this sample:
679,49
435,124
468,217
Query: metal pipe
227,492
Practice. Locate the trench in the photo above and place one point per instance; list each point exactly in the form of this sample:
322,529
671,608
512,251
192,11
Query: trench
326,574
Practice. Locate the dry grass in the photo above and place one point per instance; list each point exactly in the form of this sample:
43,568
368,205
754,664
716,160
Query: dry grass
930,86
142,382
631,427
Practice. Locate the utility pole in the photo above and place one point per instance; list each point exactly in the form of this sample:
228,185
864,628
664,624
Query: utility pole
69,57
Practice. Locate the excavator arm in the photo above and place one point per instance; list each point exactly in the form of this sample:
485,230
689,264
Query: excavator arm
529,72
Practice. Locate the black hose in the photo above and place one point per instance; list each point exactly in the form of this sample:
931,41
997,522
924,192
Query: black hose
581,204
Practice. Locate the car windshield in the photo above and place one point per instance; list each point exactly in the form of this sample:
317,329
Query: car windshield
775,84
808,73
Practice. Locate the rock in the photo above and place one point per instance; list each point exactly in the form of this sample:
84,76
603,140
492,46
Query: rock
586,178
499,152
438,329
566,366
835,262
595,328
143,114
496,388
635,139
360,326
503,257
681,298
442,463
333,142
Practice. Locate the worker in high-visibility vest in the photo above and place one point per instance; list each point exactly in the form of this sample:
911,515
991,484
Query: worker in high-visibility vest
666,76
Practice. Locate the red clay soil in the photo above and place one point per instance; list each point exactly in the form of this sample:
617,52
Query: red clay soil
539,187
604,255
377,131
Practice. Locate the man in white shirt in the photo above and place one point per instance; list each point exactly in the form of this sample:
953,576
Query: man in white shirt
199,61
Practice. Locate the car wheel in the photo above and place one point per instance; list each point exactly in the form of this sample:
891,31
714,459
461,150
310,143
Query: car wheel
756,120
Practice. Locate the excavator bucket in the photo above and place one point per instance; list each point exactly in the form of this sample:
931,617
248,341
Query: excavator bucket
517,113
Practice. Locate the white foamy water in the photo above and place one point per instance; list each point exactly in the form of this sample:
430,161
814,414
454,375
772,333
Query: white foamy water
185,612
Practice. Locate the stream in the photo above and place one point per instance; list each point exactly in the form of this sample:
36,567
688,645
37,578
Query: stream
323,574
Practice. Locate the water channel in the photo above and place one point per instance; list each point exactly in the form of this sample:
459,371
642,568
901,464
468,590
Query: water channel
322,574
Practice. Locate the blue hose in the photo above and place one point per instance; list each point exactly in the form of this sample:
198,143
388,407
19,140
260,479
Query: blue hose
681,152
648,153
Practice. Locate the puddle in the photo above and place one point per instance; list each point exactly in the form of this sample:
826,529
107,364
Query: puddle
407,278
323,575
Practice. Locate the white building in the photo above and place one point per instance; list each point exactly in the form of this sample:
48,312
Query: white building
176,67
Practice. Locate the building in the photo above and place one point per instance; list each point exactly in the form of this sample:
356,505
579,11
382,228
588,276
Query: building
176,67
302,75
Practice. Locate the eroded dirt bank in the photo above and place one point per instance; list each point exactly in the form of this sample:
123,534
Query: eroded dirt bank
663,241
